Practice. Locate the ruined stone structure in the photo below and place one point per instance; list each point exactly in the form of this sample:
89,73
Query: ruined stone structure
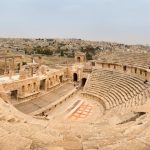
101,104
80,57
9,66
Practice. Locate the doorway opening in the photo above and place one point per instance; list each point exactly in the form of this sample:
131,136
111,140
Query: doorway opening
83,81
42,84
14,94
78,59
34,86
124,68
61,79
75,77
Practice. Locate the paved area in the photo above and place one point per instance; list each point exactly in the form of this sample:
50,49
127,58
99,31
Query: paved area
45,100
6,79
77,109
82,112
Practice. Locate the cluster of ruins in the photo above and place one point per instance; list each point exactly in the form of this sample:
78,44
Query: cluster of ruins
34,78
92,93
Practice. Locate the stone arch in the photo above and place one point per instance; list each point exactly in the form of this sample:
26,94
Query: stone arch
34,86
14,94
78,59
83,81
75,77
23,89
43,84
29,87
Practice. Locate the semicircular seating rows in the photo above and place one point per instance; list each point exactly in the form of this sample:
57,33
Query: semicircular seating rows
117,89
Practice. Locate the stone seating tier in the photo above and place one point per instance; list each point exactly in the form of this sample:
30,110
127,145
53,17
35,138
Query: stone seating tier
115,88
138,60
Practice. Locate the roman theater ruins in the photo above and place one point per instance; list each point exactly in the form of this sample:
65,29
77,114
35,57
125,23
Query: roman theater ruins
102,104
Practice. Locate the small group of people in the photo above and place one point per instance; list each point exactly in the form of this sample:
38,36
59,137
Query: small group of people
44,114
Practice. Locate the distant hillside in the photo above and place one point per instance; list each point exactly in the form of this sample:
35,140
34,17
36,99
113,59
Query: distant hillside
66,47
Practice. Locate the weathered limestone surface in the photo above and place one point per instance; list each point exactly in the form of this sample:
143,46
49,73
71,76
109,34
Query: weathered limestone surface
111,111
19,131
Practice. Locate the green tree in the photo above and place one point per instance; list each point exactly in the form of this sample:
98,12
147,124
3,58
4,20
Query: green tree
24,63
61,53
88,56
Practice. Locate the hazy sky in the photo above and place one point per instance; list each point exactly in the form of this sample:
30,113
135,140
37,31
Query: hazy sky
126,21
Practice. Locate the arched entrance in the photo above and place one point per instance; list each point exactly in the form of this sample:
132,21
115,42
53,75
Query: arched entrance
78,59
75,77
14,94
83,81
42,84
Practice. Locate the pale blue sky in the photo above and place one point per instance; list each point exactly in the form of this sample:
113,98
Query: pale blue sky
126,21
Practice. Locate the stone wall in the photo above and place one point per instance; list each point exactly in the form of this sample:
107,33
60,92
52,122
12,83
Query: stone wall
140,72
30,87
